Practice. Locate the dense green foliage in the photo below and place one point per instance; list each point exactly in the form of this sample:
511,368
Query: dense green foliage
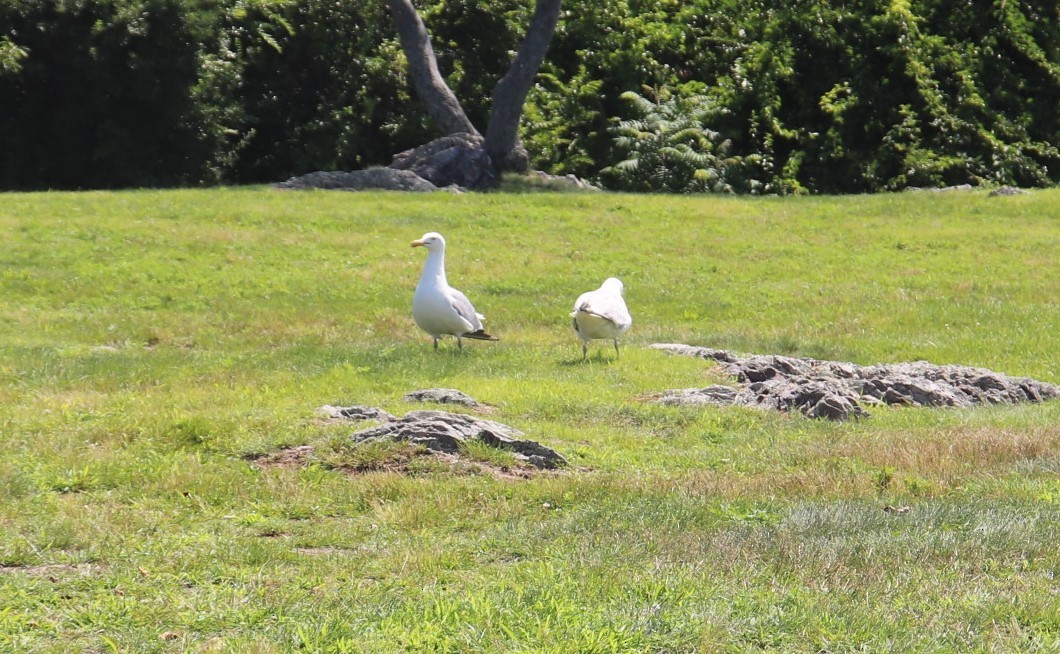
669,148
155,344
822,97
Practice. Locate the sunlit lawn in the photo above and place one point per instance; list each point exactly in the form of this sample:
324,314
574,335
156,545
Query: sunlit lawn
154,344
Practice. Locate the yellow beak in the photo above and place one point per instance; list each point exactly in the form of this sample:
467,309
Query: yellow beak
418,243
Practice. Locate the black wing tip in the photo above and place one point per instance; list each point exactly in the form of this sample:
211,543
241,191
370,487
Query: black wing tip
481,335
584,308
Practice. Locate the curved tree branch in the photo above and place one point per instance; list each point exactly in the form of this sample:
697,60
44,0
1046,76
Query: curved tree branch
436,95
502,134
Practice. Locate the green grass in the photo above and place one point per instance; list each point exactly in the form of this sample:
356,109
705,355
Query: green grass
157,347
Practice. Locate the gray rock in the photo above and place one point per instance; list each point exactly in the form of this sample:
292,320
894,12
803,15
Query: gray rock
356,413
695,351
816,398
1007,190
838,391
441,396
716,395
941,189
452,160
572,181
912,391
357,180
440,431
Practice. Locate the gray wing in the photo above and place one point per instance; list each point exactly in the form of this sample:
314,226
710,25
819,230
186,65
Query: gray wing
610,307
580,303
464,309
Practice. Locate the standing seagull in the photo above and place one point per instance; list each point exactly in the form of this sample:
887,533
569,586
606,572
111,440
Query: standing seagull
437,307
601,314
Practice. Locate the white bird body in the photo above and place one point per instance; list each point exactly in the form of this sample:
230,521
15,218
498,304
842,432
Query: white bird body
437,307
601,314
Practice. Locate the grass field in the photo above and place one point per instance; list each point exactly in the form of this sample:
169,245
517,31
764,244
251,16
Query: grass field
154,345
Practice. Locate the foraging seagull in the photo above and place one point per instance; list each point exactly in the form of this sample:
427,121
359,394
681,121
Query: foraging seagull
601,314
438,308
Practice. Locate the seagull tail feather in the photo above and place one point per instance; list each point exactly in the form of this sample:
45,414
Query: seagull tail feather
480,335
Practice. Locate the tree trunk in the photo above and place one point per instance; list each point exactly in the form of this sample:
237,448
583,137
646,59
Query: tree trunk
501,149
436,95
502,134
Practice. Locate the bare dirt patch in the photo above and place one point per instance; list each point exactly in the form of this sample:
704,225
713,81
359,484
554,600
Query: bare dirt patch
288,457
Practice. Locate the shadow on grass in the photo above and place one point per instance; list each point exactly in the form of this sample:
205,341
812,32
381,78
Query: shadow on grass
590,360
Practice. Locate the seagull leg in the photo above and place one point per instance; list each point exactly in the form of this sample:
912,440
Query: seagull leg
585,350
460,343
435,342
617,355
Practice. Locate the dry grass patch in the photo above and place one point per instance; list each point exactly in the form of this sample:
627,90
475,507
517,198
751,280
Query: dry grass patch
925,463
948,455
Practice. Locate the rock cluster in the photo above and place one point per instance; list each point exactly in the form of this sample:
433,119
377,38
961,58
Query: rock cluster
838,391
451,163
440,431
568,180
940,189
1007,190
358,180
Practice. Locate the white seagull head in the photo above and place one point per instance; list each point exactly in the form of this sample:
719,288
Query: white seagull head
614,285
433,241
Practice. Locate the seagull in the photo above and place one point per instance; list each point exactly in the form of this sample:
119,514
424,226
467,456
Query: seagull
601,314
437,307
